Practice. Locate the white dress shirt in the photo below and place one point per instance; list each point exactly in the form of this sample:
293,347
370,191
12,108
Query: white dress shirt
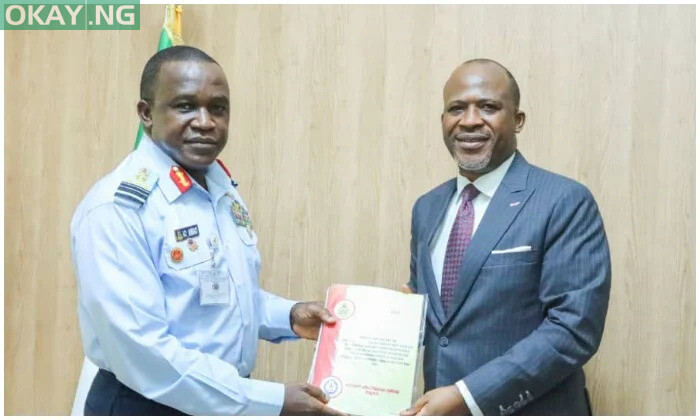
487,185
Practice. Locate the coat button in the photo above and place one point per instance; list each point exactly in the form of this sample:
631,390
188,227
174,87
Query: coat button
444,341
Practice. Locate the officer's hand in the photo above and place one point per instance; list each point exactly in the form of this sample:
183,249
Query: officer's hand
405,288
306,319
306,400
443,401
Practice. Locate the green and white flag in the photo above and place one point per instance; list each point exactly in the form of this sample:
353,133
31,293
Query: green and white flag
170,35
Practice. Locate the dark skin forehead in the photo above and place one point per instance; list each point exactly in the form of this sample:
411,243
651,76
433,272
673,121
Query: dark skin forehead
190,78
489,78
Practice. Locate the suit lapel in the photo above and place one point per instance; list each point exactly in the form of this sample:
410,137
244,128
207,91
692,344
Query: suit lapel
499,215
435,215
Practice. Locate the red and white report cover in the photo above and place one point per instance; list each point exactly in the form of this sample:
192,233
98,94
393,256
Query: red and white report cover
367,362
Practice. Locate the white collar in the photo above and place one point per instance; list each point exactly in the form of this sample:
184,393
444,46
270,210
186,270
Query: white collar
487,183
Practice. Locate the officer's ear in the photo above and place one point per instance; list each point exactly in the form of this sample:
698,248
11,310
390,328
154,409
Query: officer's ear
143,108
519,120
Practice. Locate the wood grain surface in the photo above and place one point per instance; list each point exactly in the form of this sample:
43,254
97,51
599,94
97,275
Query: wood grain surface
335,133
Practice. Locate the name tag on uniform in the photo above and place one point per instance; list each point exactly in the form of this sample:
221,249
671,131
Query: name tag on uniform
214,287
186,233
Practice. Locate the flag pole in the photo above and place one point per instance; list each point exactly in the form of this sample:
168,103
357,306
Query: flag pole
170,35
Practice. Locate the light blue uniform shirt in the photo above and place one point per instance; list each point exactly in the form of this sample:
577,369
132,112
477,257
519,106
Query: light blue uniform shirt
139,309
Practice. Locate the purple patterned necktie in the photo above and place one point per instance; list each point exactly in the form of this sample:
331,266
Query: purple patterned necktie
460,236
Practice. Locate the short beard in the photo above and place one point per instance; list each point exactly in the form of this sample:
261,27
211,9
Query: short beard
474,166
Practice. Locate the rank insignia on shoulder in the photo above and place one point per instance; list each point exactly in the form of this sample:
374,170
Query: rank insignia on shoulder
186,233
141,178
134,191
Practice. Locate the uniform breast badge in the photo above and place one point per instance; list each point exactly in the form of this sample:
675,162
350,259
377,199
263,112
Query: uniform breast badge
241,217
176,255
186,233
192,244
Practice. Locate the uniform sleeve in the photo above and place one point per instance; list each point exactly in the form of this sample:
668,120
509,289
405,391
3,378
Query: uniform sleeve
274,316
574,291
120,292
273,313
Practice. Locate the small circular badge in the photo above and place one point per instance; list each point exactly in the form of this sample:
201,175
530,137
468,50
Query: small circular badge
176,255
344,309
332,386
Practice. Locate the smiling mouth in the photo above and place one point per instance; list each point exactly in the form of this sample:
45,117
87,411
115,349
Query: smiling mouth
470,142
471,138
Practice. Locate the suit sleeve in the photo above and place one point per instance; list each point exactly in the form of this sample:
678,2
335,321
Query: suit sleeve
574,291
414,234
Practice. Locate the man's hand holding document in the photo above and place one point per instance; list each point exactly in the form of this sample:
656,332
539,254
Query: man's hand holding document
367,362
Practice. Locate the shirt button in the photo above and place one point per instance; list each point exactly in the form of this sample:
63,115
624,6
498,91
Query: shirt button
444,341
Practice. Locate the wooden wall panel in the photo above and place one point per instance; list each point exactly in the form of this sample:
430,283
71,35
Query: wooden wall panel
335,133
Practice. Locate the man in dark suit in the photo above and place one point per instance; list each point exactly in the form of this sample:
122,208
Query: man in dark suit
515,263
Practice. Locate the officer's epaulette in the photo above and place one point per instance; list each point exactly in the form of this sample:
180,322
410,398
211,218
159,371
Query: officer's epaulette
234,183
134,191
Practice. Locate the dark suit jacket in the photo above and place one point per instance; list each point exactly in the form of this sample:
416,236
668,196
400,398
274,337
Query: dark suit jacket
521,324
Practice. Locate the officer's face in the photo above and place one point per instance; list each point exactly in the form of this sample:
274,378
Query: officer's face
479,121
189,115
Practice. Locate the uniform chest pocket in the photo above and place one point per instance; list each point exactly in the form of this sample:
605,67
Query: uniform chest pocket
181,255
248,237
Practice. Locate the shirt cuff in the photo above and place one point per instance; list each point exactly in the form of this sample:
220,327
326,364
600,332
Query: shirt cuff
280,319
264,398
473,407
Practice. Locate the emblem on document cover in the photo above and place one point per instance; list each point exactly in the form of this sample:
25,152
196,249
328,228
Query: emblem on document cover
344,309
332,386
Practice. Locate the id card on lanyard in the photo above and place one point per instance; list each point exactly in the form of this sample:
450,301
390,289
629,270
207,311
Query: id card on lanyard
214,288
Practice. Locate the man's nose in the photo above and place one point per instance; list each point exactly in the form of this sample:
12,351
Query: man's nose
471,117
203,121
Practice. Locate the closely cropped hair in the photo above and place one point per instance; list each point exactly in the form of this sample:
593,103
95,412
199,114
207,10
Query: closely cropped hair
514,89
177,53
